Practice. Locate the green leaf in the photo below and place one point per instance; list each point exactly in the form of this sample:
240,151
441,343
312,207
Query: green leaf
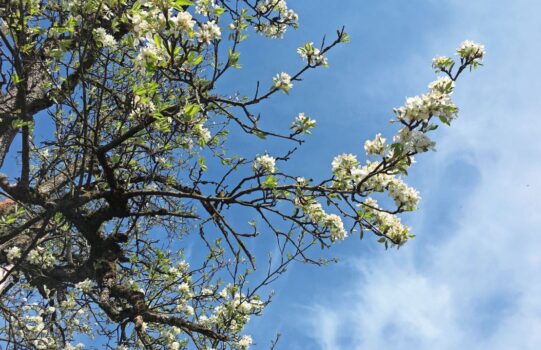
271,182
191,110
260,134
201,162
218,11
183,3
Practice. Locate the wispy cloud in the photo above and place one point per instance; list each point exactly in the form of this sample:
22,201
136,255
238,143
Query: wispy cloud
471,279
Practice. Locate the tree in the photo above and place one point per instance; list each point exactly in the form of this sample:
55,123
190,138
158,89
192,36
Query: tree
130,166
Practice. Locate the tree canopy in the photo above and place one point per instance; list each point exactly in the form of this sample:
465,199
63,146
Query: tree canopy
130,167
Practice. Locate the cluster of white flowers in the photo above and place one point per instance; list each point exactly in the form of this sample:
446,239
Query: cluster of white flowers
179,270
442,63
405,197
265,6
286,17
303,124
185,289
42,257
207,32
349,175
283,82
204,7
315,212
141,108
183,22
370,179
313,209
151,27
150,55
387,223
149,19
468,51
342,165
104,39
13,254
84,286
235,307
202,133
414,140
244,342
376,146
313,55
264,164
471,51
170,337
4,28
422,108
186,309
32,328
442,85
392,227
336,227
69,303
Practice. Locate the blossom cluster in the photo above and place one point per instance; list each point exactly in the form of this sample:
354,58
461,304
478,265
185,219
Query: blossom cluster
436,103
388,224
208,32
313,55
105,39
414,141
264,164
376,146
282,18
317,215
283,82
468,51
303,124
158,30
38,256
471,51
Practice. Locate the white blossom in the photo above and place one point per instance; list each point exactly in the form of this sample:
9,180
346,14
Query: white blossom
405,197
13,254
334,223
105,39
183,22
442,85
84,286
264,164
312,54
303,124
376,146
184,288
244,343
150,55
204,7
342,166
207,32
471,51
414,140
283,82
442,63
42,257
421,108
202,134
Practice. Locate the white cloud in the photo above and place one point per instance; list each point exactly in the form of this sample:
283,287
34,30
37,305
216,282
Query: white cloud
478,286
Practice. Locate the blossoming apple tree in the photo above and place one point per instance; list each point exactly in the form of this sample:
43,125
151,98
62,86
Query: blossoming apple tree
114,160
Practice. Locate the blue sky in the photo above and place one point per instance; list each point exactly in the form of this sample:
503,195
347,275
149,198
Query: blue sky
469,279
